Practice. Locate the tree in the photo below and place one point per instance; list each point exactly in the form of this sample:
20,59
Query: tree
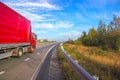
84,34
101,34
92,37
110,26
84,38
116,22
45,40
70,41
102,28
104,37
118,44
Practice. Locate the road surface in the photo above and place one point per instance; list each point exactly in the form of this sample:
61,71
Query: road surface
29,66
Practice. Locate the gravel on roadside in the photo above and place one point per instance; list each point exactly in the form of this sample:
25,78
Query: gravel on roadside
55,72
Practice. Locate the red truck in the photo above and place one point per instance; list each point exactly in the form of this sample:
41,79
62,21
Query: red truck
15,33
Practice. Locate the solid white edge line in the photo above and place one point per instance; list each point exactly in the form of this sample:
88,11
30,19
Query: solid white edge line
2,72
38,67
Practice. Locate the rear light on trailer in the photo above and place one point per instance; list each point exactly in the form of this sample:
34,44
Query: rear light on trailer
14,52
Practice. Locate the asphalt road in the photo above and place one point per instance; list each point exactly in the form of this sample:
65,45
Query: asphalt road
43,70
27,67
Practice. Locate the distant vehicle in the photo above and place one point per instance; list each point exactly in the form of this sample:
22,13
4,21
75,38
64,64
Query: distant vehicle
15,33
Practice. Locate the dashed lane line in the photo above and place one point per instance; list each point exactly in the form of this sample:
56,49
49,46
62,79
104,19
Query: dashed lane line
2,72
27,59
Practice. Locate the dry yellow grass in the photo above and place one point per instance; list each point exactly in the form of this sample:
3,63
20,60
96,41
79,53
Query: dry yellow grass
105,64
110,58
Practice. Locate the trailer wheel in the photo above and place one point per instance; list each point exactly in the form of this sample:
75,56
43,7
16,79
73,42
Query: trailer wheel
20,52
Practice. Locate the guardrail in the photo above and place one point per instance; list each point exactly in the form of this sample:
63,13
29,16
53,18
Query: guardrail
82,73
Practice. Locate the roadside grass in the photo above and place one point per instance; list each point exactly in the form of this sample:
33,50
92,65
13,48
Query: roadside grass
67,70
104,64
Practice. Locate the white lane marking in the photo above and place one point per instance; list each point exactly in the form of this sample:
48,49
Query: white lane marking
27,59
2,72
39,66
38,53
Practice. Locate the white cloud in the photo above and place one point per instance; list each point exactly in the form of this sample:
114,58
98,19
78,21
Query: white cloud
44,25
84,10
103,16
63,24
60,24
117,13
41,32
71,34
80,17
31,16
35,17
29,9
42,5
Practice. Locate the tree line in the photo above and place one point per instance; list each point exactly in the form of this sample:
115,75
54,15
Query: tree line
105,36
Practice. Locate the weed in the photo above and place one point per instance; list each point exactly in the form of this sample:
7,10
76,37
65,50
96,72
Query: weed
68,72
104,64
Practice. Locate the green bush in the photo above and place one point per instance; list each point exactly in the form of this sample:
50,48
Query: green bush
118,44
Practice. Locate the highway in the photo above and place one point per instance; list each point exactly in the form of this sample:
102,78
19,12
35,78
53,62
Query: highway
31,66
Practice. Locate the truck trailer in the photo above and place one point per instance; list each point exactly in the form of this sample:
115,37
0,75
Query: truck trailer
16,36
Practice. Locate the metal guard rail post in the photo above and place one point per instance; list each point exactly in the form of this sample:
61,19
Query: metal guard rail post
82,73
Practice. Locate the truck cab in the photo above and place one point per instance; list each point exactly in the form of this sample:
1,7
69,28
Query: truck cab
32,42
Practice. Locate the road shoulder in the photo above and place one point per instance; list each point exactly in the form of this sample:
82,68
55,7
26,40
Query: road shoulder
55,72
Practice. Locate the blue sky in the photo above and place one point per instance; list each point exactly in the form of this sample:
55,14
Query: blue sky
62,19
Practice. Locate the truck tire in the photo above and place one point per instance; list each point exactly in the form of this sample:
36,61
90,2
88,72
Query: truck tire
20,52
